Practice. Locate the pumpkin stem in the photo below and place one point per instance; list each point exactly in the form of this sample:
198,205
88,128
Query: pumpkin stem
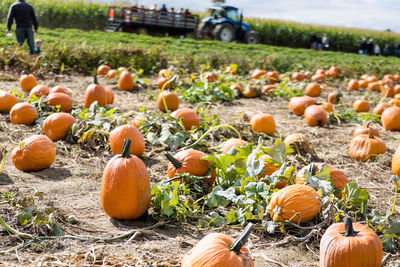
177,164
312,169
212,129
95,80
126,150
348,226
242,239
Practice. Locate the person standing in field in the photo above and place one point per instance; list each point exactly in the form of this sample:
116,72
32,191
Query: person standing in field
24,16
325,42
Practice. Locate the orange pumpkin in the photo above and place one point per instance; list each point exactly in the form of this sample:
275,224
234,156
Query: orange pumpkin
353,85
396,89
7,101
388,91
363,83
27,82
391,119
39,90
125,81
57,125
263,123
347,245
34,154
396,162
394,102
163,73
103,69
246,116
23,113
138,120
313,89
211,77
297,140
298,76
111,74
298,203
233,142
269,169
60,99
119,134
190,161
188,116
299,104
364,147
327,106
236,87
125,186
95,92
338,177
374,86
361,105
333,72
267,88
110,95
334,98
320,71
257,74
163,81
171,101
272,76
220,250
318,78
60,89
250,91
372,78
315,116
365,130
381,107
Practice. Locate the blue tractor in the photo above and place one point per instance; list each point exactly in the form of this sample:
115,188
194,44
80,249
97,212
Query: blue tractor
225,24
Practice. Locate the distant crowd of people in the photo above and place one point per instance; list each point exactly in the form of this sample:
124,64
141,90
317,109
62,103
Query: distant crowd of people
319,42
164,9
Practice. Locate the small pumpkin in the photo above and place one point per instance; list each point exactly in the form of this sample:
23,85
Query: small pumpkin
125,186
298,76
353,85
396,89
138,120
267,88
57,125
263,123
250,91
119,134
257,74
313,89
327,106
364,147
190,161
60,89
381,107
320,71
39,90
23,113
394,102
60,99
125,81
338,177
297,141
27,82
111,74
365,130
363,83
237,87
374,86
233,142
318,78
298,203
269,168
361,105
7,101
163,73
333,72
211,77
188,116
391,119
95,92
371,79
299,104
219,250
247,115
334,98
171,101
343,241
388,91
388,77
103,69
163,81
34,154
315,116
272,76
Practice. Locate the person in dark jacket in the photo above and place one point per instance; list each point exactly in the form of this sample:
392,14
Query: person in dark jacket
24,16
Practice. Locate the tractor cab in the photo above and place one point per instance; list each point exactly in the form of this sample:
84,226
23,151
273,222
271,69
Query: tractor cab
225,24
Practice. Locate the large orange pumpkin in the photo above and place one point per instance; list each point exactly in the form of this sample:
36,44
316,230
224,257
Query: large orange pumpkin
315,116
125,187
119,134
391,119
313,89
233,142
381,107
62,100
219,250
361,105
365,130
396,162
364,147
39,90
190,161
250,91
125,81
349,245
57,125
298,203
189,117
95,92
353,85
7,101
34,154
60,89
299,104
23,113
27,82
171,101
263,123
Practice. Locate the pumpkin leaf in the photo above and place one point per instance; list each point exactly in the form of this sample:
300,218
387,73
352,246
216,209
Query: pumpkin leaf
215,219
320,180
354,195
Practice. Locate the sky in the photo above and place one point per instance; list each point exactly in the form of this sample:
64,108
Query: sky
369,14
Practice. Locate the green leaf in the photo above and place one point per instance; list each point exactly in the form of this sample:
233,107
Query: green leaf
216,219
217,198
355,195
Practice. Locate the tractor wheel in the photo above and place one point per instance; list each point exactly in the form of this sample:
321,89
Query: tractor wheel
251,37
205,30
224,32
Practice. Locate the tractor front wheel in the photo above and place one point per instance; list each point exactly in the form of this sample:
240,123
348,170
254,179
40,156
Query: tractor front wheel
224,32
251,37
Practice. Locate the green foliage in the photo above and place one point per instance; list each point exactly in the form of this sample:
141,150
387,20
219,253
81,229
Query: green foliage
346,115
208,92
286,90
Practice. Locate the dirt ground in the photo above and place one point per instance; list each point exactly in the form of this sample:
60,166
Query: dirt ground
73,185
